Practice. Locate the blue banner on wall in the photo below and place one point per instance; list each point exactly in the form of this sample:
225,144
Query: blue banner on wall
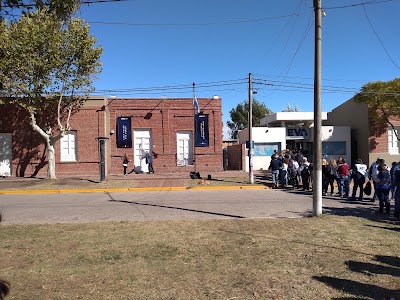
201,126
124,132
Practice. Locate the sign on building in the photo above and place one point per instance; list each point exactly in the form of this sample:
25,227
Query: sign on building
297,133
124,132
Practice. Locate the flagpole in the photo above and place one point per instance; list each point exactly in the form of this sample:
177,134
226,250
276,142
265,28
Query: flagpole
195,133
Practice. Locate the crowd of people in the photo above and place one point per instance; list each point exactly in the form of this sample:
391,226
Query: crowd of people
293,169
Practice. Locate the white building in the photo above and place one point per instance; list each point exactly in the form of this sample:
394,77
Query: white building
294,131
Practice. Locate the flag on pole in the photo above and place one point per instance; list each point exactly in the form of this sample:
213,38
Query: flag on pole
196,105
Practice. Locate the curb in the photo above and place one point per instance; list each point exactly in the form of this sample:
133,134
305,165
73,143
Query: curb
232,187
143,189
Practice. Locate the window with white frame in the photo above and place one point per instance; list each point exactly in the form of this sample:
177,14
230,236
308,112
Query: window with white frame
393,143
68,146
184,148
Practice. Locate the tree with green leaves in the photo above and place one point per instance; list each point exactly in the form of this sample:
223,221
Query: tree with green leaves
383,100
239,116
62,9
48,68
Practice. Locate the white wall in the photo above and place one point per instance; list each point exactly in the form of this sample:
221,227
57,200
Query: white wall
263,135
337,134
278,135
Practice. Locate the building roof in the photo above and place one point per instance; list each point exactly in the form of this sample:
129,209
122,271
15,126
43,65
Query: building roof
291,119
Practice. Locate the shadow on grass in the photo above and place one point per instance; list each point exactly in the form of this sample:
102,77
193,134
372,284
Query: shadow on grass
396,229
389,266
389,260
358,289
368,268
4,288
175,208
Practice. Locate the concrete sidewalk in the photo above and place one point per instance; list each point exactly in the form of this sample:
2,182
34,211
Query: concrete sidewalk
134,182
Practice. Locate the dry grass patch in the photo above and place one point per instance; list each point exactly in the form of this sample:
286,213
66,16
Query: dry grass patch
316,258
223,181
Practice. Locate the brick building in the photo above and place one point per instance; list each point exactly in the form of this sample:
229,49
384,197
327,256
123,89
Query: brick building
368,141
164,127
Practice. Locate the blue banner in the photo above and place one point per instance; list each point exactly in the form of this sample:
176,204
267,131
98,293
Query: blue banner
201,127
124,132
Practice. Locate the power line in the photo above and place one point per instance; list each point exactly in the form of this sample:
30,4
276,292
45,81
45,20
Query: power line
193,24
33,4
328,89
377,36
358,4
184,88
296,12
311,78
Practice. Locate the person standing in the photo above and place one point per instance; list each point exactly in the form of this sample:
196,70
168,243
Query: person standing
275,166
125,162
343,172
393,169
325,177
383,186
149,161
358,174
294,172
284,172
305,172
396,184
373,175
332,171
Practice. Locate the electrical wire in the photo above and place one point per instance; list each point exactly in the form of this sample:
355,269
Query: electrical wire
289,65
377,36
357,4
296,12
192,24
33,4
329,89
184,88
311,78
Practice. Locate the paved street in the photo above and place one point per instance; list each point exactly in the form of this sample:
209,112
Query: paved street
170,205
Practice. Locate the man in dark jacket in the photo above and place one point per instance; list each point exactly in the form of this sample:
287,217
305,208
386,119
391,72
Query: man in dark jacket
275,166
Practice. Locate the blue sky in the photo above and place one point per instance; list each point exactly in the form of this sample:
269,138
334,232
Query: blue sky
216,43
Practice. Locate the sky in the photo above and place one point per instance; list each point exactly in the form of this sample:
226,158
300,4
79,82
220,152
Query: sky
154,48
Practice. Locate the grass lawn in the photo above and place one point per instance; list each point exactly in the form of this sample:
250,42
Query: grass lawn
328,257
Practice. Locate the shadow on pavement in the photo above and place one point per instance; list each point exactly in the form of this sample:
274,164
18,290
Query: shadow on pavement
175,208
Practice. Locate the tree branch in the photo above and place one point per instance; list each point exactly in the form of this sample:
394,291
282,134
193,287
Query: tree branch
59,110
36,127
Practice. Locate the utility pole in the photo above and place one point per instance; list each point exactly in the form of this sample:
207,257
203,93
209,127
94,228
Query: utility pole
251,174
195,134
317,145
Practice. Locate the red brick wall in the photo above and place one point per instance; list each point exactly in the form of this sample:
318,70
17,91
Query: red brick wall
29,150
168,117
379,137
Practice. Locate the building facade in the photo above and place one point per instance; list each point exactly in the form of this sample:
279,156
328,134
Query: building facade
294,131
369,141
166,128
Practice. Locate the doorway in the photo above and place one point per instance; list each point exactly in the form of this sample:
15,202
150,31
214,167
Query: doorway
5,154
142,143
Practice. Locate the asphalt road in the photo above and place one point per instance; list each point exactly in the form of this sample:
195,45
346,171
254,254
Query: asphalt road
170,205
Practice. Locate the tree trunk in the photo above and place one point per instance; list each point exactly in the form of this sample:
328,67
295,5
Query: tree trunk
50,142
51,167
